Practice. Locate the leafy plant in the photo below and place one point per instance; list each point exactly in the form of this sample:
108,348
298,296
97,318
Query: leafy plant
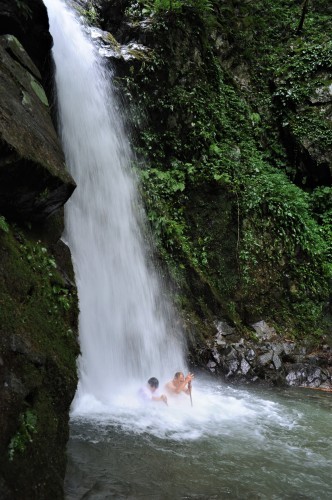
41,262
20,441
3,224
203,8
90,13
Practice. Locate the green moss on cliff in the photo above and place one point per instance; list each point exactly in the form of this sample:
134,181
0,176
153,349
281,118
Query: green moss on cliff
38,366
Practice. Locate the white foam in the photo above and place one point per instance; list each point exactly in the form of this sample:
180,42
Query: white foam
217,410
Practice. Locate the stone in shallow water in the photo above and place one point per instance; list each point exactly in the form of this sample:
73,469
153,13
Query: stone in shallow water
291,378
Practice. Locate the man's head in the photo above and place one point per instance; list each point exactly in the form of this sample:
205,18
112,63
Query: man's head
178,378
153,383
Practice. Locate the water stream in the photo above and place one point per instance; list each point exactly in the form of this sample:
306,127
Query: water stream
233,442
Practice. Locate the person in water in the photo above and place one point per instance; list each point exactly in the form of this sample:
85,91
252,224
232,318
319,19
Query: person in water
148,392
179,384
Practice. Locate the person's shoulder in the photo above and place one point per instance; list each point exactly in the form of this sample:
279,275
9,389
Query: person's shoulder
144,393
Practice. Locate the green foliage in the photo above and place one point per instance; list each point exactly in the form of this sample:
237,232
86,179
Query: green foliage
47,371
41,262
264,35
166,5
321,202
311,124
204,9
3,224
27,427
283,244
205,139
90,13
299,80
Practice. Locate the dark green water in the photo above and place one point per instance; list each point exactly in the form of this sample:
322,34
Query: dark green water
233,443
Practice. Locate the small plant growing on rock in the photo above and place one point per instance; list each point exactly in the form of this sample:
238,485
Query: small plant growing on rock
3,224
89,13
23,436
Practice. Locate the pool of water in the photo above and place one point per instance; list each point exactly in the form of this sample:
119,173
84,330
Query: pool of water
232,443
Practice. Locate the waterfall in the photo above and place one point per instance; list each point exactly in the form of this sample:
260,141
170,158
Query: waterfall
125,326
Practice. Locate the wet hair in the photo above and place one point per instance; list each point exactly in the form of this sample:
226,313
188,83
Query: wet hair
178,375
153,382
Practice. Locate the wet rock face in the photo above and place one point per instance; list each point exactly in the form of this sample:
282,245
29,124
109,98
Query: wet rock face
33,180
28,22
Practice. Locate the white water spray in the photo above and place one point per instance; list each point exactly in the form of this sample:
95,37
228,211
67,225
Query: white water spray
123,322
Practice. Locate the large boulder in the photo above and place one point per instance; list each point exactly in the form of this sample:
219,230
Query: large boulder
33,179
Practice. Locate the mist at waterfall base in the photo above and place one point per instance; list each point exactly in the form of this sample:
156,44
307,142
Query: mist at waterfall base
231,442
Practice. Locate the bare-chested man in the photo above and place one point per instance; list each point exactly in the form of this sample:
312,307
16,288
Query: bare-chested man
179,384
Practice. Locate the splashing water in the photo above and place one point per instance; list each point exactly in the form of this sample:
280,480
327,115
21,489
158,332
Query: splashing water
233,443
124,325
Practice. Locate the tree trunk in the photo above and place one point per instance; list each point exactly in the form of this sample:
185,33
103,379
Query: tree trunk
303,14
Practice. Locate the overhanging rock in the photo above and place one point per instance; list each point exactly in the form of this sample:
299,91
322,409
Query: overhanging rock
33,180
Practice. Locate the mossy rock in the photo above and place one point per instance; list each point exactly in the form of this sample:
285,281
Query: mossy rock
38,351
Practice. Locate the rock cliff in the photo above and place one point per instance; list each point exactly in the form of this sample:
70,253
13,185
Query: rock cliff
38,305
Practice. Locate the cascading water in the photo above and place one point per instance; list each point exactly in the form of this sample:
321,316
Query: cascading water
123,323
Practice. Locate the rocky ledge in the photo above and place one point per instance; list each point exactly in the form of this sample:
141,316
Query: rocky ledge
268,357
